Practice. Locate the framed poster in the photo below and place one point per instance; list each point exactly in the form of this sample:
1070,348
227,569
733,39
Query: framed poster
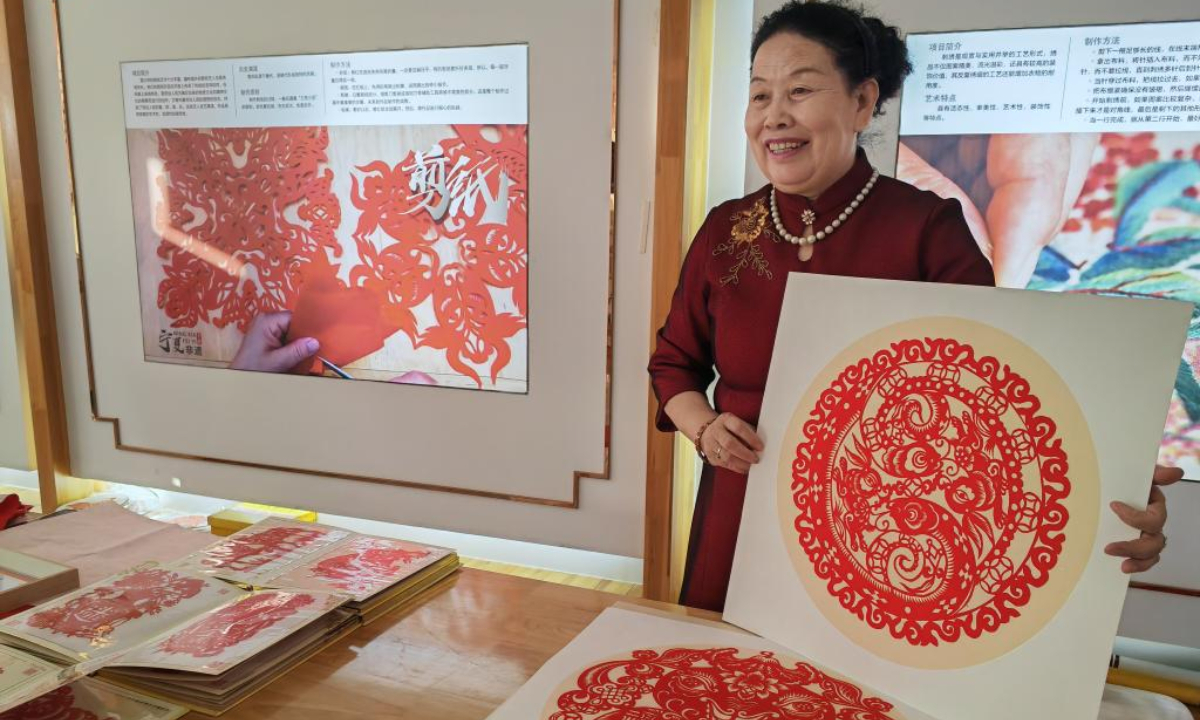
934,498
1075,152
432,224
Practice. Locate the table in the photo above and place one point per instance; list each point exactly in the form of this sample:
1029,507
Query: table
456,657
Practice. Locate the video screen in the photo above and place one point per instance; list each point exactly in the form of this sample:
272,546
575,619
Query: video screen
1075,153
358,216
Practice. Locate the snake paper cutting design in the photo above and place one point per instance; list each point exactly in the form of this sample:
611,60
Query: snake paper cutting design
930,491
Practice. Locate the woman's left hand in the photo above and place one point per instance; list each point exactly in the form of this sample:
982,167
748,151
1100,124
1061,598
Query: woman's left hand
1145,552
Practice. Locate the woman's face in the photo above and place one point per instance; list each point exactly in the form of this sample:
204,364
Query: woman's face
802,121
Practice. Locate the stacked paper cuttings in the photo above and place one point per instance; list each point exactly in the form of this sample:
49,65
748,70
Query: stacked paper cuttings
210,643
378,574
211,629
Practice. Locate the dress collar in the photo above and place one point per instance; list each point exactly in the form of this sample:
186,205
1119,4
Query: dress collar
833,200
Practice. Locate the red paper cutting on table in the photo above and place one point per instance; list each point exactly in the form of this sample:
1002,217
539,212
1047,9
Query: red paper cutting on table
235,624
56,705
230,249
709,684
358,572
96,614
244,553
914,493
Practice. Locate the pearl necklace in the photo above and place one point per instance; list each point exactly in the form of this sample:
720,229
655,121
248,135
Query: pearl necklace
806,242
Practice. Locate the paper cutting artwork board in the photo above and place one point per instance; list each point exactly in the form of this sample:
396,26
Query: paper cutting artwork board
632,662
933,501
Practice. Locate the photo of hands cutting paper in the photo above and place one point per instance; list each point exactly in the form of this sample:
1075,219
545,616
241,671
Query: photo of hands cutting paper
387,253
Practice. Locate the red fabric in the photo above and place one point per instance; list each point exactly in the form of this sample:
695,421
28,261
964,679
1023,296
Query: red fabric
11,510
726,310
348,322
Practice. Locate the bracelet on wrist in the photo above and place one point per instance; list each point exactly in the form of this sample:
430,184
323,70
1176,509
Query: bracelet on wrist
700,435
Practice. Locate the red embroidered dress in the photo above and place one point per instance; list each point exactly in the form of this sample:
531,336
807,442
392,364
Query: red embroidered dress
726,309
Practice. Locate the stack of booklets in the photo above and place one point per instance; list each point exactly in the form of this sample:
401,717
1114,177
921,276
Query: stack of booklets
211,629
378,574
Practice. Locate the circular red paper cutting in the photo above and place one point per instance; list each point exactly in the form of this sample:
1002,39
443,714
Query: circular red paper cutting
930,491
712,683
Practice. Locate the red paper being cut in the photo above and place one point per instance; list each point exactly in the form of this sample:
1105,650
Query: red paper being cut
348,322
100,611
235,624
930,491
56,705
230,250
713,683
244,553
358,572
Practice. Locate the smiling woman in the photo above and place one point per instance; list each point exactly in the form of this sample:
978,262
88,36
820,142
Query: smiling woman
820,72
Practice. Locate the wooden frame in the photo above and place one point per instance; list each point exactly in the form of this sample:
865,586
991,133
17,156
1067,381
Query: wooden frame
675,18
29,259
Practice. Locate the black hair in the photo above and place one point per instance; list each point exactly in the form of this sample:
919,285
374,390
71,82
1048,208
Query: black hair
863,46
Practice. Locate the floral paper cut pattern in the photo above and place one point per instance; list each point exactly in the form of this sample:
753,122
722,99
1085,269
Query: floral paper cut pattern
367,567
96,614
235,624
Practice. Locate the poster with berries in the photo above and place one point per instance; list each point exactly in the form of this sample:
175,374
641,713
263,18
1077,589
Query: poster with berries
232,633
355,215
1075,155
933,502
633,662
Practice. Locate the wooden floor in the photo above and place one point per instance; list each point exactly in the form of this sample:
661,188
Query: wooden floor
580,581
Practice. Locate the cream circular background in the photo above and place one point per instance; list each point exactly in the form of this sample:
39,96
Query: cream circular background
1082,503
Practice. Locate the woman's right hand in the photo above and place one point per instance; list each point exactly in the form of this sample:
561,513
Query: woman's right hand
730,442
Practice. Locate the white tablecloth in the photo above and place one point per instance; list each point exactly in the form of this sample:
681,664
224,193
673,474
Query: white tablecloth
1122,703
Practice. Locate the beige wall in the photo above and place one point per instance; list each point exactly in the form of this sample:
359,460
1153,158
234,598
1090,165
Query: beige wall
610,517
14,443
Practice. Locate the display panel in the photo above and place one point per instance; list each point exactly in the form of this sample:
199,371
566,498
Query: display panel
1075,153
373,202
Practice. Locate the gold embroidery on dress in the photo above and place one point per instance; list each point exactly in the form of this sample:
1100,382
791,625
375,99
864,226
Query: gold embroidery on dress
748,226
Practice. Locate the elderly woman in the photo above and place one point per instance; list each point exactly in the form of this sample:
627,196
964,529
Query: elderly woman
820,73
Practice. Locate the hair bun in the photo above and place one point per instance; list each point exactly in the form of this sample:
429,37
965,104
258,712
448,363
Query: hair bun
892,65
863,46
